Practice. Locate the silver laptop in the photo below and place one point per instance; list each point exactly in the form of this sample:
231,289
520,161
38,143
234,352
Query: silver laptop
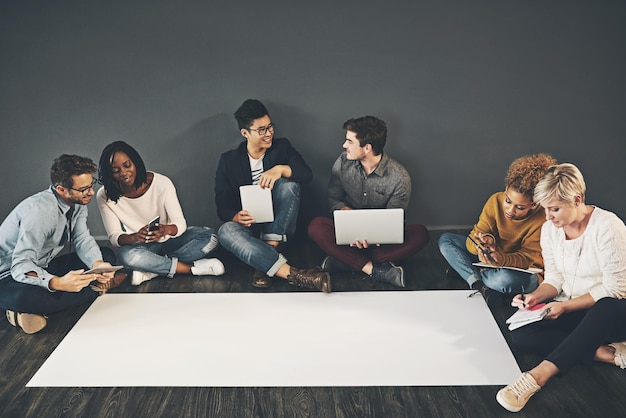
376,226
258,202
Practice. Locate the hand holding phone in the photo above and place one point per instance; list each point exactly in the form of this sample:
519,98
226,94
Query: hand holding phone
483,250
153,225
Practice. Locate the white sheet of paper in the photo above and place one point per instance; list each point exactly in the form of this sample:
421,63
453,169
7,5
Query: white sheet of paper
390,338
258,202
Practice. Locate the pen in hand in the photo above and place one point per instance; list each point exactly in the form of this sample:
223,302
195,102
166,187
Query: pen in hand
523,296
484,251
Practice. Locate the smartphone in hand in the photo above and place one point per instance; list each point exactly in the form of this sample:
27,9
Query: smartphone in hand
152,226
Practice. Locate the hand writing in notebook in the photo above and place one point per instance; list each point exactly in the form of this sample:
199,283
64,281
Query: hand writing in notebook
528,301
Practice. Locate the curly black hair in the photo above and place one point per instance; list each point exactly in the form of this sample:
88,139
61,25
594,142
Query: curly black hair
525,172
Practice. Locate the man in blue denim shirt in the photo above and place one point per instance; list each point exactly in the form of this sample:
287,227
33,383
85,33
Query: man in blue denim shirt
33,281
270,163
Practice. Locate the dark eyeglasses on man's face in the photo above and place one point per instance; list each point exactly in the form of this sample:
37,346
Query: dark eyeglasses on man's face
84,190
264,129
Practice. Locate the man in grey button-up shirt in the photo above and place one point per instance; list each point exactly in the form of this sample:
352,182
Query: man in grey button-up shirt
33,280
363,177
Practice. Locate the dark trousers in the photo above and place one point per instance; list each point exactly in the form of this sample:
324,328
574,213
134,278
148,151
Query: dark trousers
574,337
28,298
322,232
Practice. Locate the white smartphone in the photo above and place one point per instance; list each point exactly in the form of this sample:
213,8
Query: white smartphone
103,269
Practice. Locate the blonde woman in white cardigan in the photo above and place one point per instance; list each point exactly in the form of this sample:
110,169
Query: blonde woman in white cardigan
584,252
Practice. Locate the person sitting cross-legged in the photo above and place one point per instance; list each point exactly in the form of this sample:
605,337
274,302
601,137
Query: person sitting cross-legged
363,177
271,163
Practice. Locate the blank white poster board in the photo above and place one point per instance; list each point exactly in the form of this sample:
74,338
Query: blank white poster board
399,338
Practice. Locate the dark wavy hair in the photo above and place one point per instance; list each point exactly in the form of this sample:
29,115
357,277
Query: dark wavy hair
369,130
66,166
250,110
105,171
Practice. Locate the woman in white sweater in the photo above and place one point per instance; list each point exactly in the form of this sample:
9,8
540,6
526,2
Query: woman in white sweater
130,199
584,253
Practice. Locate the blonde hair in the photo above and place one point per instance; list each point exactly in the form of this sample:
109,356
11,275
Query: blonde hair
525,172
563,182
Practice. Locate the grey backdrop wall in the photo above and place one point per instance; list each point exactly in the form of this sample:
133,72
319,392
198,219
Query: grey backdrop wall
465,87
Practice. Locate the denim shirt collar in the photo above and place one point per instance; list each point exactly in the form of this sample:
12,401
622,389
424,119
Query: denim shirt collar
63,206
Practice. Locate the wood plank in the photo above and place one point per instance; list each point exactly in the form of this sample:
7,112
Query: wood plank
586,391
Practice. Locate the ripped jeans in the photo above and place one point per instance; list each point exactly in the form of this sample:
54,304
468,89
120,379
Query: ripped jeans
162,257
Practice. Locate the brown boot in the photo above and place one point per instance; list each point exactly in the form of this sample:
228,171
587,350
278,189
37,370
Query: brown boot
310,279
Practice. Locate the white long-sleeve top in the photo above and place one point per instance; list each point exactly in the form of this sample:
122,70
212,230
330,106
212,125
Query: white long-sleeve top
129,215
595,262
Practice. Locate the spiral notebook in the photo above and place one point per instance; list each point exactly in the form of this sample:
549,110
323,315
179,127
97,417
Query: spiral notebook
527,316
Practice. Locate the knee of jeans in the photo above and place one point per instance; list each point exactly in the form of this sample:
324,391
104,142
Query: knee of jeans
286,188
130,255
444,240
446,243
227,232
206,235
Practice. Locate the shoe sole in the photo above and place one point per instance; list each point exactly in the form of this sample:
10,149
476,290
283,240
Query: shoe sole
402,283
256,283
36,322
506,406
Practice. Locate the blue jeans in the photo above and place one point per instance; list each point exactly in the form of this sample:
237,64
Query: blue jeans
162,257
248,244
453,249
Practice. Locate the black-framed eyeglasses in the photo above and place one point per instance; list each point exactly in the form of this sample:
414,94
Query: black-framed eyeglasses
264,129
84,190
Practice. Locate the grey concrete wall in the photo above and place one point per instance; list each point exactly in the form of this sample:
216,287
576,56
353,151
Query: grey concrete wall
465,87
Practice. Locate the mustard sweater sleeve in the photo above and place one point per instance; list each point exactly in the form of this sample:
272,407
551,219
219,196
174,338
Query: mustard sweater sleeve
486,222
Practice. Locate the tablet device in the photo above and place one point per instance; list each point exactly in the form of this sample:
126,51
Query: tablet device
258,202
105,269
376,226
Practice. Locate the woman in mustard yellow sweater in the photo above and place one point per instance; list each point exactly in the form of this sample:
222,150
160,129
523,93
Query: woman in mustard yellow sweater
506,234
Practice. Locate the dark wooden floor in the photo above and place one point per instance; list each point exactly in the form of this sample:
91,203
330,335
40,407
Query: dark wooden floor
585,392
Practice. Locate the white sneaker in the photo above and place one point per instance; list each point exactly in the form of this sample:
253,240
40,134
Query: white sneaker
620,348
141,276
620,354
515,396
207,267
